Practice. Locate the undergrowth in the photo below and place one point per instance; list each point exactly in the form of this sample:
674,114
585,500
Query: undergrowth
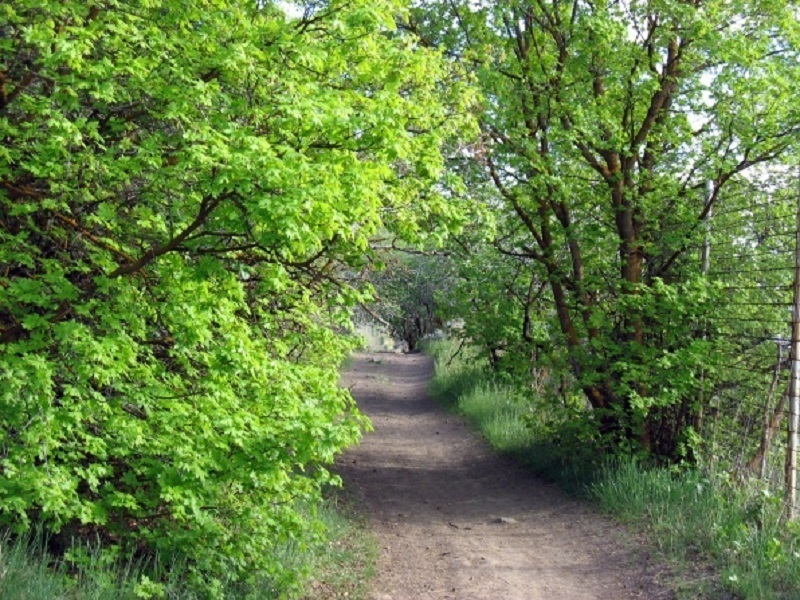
718,533
337,565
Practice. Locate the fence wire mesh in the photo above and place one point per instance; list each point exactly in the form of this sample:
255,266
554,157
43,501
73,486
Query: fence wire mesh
750,253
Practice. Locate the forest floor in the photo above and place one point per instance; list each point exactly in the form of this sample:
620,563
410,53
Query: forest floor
455,520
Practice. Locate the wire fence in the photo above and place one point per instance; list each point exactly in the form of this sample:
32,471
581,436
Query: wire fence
749,407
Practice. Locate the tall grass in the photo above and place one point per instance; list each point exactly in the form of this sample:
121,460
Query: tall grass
735,528
719,534
28,571
340,564
462,382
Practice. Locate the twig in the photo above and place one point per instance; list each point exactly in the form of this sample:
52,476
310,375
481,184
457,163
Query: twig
457,352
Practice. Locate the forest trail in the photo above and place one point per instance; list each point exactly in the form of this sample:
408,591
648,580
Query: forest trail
456,521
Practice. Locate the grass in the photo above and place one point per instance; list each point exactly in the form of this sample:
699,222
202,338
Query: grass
511,420
698,518
29,572
344,564
341,564
720,536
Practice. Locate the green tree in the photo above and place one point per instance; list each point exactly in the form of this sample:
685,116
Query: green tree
602,124
181,184
406,289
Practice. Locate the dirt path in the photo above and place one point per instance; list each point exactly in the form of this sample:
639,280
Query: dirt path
456,521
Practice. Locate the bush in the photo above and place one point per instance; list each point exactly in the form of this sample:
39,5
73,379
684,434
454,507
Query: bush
185,187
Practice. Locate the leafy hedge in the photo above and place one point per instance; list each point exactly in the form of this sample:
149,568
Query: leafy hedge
186,188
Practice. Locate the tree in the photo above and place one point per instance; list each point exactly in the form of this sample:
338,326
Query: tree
406,295
602,124
181,183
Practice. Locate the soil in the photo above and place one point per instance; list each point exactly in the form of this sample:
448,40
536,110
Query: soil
455,520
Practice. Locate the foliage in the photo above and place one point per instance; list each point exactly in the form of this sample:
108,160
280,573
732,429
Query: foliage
406,290
341,562
611,131
183,184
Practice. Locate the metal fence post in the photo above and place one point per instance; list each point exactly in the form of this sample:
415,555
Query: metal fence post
794,387
705,265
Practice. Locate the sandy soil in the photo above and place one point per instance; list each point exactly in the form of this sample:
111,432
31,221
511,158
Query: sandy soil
454,520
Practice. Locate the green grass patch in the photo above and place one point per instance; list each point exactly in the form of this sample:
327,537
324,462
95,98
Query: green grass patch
696,518
344,563
29,571
497,409
717,533
513,421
